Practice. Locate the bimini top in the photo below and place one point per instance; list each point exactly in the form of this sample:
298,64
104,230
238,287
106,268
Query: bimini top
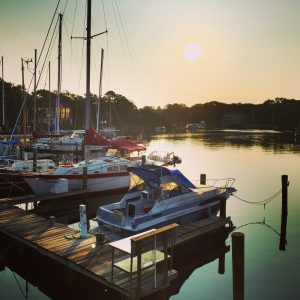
154,175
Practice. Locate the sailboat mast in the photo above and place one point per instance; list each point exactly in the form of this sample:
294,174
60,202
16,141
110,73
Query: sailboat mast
3,111
24,104
49,100
59,68
34,93
88,65
100,89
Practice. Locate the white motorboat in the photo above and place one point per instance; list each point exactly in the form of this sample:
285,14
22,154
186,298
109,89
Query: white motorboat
161,196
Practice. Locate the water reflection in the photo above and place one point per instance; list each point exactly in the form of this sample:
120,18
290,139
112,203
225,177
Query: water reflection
270,141
61,283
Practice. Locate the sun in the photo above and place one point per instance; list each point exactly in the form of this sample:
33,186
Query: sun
192,52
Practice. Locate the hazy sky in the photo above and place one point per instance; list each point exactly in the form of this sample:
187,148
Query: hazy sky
165,51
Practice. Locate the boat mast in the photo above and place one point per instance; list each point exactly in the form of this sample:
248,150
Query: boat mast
49,99
59,70
100,89
34,94
24,104
88,65
3,112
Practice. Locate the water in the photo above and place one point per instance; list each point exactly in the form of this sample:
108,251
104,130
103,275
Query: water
256,159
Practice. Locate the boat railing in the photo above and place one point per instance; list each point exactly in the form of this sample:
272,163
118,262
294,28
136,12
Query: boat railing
211,182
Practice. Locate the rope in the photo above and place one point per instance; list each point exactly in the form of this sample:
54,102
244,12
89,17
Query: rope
262,202
263,223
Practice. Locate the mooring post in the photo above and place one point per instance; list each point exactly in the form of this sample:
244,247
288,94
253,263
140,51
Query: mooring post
223,208
238,256
83,151
143,159
83,221
203,179
52,220
284,212
2,262
84,182
34,163
76,153
221,265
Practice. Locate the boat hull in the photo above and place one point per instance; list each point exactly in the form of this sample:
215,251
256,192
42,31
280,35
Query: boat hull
97,184
201,212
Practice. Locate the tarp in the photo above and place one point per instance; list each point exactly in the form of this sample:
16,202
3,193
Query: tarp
93,138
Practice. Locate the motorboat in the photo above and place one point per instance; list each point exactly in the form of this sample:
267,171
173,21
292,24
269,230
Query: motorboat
160,196
160,129
195,127
163,158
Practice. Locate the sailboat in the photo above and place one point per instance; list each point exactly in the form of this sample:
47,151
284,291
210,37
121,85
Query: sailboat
105,175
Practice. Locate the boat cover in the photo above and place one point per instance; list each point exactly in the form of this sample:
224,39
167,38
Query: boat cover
152,174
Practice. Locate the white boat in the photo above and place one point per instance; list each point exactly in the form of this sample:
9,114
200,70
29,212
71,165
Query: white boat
162,158
42,165
195,127
105,175
160,129
159,197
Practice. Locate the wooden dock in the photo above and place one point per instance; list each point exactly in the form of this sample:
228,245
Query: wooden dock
63,245
11,201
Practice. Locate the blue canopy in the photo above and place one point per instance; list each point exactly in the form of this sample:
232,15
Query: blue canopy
13,142
152,174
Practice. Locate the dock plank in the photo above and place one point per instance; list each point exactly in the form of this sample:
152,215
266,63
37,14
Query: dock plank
62,244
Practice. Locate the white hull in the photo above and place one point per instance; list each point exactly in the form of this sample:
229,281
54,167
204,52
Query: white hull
95,185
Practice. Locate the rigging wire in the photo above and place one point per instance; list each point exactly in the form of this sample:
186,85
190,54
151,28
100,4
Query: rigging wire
72,30
107,46
122,20
47,53
67,1
119,32
48,32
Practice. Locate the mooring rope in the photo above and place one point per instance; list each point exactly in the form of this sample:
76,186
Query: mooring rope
262,202
263,223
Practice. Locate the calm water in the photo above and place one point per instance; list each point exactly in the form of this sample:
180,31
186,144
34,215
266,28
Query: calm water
256,160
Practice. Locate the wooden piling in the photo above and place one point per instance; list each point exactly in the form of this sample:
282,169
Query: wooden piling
2,262
203,179
284,212
143,159
223,208
76,153
83,151
34,162
238,255
221,265
52,220
84,183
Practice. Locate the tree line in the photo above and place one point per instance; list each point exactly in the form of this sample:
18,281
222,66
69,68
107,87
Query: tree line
117,110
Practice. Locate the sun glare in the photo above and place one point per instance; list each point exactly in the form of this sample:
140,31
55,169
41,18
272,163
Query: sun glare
192,52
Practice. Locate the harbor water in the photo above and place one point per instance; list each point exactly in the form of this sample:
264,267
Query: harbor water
256,159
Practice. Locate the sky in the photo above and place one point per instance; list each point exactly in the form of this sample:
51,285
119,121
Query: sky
161,52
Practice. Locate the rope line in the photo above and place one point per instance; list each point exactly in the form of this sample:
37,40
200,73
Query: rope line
262,202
